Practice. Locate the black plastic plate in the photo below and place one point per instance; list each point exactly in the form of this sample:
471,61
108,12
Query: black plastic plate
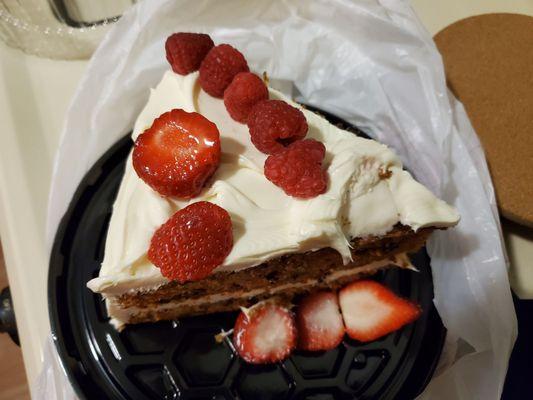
181,360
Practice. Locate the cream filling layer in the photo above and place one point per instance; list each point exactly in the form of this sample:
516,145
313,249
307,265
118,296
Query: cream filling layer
266,222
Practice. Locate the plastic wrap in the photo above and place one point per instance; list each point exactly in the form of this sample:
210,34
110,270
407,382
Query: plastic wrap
371,63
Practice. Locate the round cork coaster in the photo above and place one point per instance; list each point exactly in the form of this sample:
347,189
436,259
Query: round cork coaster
489,66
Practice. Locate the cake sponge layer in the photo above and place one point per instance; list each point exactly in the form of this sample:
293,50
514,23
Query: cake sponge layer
284,277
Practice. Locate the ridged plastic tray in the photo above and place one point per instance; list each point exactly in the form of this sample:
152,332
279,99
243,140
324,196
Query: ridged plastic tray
181,359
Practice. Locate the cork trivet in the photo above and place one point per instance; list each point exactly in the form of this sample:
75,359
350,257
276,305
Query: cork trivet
489,66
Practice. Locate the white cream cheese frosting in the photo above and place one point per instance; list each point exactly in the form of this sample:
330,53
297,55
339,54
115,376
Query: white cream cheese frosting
266,222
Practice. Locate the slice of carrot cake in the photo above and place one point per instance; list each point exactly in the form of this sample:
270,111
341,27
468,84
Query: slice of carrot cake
300,203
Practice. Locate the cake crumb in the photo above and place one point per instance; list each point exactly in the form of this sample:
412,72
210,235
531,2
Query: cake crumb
219,338
402,260
385,173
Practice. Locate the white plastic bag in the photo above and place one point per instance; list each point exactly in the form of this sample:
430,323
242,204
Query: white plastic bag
370,63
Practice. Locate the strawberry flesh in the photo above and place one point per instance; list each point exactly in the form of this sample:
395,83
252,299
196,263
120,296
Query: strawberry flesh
319,322
264,334
178,153
371,311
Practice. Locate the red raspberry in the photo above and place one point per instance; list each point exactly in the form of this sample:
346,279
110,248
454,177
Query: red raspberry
178,153
297,169
244,92
274,124
185,51
219,68
192,243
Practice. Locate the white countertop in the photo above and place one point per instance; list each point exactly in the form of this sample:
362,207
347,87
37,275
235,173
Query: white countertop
34,96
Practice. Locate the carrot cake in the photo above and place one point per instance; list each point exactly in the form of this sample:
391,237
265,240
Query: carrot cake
370,215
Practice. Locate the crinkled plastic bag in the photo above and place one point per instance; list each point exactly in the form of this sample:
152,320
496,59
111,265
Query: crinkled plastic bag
371,63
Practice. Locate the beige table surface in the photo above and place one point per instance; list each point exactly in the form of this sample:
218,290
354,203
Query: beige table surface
34,96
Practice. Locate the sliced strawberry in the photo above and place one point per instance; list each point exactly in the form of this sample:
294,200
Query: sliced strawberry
370,310
266,333
178,153
319,322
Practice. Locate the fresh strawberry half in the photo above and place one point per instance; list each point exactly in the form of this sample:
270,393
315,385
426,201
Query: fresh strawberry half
266,333
370,310
319,322
178,153
192,243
